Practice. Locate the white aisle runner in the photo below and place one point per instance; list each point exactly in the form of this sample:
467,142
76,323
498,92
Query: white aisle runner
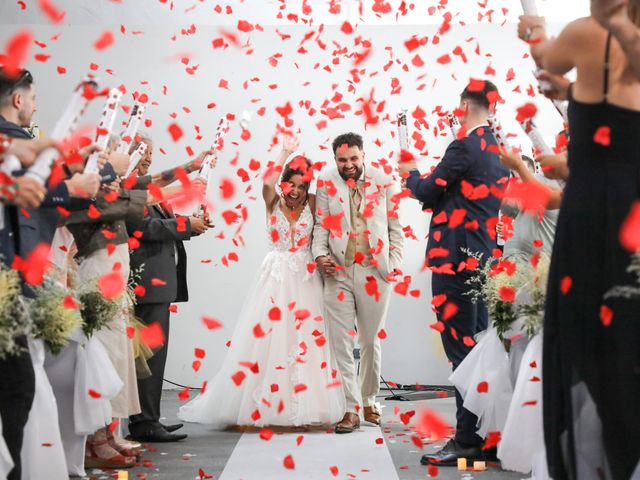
356,453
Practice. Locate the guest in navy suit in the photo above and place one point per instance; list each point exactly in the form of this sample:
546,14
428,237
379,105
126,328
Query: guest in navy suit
465,211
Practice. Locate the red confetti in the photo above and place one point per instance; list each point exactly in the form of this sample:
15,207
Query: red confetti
525,112
266,434
275,314
211,323
288,463
94,394
111,285
492,440
17,51
238,377
175,131
152,335
565,284
483,387
630,229
606,315
51,11
450,309
430,424
603,136
104,41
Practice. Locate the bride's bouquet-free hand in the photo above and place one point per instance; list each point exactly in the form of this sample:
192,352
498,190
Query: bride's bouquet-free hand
13,314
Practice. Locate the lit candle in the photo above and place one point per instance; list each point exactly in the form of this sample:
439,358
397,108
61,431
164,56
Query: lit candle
462,464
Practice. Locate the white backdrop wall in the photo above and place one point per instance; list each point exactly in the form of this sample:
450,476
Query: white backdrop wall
150,61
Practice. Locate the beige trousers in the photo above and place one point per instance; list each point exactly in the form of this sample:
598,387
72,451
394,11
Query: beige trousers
357,308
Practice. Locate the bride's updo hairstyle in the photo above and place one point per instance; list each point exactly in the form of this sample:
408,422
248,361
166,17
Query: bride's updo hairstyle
299,165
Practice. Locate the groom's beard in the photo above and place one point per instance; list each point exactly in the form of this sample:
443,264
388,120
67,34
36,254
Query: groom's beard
356,176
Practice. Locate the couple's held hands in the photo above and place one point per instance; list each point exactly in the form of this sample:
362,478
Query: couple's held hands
327,265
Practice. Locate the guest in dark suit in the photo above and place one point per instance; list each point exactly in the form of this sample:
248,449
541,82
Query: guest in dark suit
162,256
468,163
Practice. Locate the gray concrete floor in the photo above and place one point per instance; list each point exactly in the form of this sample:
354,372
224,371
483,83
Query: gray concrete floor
209,450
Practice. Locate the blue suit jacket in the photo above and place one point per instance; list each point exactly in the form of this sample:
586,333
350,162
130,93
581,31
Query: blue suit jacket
467,160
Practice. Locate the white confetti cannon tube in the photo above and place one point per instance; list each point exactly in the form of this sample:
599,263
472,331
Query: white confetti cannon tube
454,123
498,132
205,168
41,169
529,7
135,158
403,130
131,130
105,126
562,110
533,132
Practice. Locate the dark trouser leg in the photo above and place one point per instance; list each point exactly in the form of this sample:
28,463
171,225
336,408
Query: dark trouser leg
17,388
150,389
470,319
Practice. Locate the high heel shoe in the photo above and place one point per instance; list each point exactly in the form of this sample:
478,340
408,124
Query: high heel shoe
100,454
125,447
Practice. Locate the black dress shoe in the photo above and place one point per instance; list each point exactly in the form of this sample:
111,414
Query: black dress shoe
156,435
172,428
450,453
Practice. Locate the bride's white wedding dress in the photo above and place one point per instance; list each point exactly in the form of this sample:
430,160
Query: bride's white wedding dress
278,370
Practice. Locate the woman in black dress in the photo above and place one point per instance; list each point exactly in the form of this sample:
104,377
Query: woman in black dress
591,360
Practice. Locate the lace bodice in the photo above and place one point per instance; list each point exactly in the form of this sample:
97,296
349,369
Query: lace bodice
286,237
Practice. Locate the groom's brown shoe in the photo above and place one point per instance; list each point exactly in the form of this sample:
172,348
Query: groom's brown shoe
372,415
348,424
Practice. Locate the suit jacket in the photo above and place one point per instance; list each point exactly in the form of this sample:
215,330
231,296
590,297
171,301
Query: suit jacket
461,183
163,275
385,235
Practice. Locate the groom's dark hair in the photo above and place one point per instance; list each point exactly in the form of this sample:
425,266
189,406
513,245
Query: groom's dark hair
349,139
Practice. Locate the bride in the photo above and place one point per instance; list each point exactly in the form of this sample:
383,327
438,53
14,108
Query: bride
278,370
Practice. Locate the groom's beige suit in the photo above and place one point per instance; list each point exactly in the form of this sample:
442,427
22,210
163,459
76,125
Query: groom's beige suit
368,248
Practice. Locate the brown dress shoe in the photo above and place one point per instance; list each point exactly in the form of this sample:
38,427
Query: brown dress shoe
348,424
372,415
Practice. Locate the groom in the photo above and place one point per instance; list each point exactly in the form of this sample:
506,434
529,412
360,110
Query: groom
357,245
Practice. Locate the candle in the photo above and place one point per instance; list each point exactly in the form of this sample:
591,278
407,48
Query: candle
479,466
462,464
123,475
104,127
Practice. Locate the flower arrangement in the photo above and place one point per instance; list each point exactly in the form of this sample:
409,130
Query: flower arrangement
96,310
536,276
13,314
54,315
498,282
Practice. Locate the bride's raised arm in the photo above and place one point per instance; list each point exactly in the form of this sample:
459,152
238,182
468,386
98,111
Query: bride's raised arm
289,145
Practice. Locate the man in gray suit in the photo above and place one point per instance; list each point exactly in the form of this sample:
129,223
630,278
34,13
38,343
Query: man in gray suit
357,244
